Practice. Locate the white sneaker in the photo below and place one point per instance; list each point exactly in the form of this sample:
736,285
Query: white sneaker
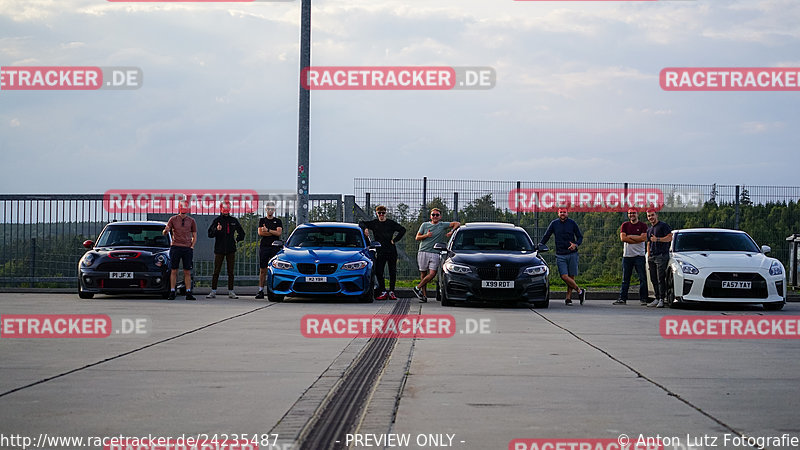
660,304
211,294
232,294
653,304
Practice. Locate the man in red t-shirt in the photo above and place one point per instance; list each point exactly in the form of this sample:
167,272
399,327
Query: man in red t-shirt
184,237
633,234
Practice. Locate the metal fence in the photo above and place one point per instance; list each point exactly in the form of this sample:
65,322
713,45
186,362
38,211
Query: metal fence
42,235
768,213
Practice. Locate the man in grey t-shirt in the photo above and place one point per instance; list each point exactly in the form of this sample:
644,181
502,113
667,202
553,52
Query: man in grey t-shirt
428,235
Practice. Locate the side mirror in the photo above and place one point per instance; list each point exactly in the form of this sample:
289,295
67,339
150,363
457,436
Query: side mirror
374,245
541,248
766,249
88,244
278,243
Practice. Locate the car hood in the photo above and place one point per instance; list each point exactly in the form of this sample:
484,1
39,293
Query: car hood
479,258
729,260
296,254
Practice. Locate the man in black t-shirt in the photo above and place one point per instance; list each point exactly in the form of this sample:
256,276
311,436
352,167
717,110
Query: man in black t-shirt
270,229
384,230
659,235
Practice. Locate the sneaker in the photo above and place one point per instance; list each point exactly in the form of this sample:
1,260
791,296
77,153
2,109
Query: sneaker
260,295
171,295
568,302
232,294
384,295
392,296
211,294
189,296
418,293
654,303
642,302
660,304
582,296
620,302
423,299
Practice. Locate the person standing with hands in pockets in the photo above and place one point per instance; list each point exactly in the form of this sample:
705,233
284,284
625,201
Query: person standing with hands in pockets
184,237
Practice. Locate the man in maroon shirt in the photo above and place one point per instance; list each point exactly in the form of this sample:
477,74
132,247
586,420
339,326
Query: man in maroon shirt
633,233
184,236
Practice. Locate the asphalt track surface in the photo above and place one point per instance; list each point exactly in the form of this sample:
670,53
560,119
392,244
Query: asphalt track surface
243,369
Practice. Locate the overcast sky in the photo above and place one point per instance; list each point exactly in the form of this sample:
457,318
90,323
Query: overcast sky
577,95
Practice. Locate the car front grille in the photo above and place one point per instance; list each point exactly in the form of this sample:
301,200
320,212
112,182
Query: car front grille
505,273
122,266
311,269
713,285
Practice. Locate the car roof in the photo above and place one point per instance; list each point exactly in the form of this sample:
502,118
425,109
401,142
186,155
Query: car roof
329,225
137,222
707,230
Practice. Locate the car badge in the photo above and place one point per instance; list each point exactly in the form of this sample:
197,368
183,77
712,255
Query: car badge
735,275
497,265
122,259
316,261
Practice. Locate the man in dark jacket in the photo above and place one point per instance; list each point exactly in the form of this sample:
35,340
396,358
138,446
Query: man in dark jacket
568,238
222,230
387,232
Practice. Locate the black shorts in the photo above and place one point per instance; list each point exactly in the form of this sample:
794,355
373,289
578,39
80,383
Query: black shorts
178,254
265,254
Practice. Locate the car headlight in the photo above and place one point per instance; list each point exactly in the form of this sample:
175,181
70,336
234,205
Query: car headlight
687,268
160,260
775,268
355,265
282,265
88,259
535,270
456,268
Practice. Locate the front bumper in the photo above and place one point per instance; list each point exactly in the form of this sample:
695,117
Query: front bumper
467,288
97,282
339,283
706,286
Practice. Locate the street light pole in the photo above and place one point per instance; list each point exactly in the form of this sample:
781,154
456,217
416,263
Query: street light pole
304,118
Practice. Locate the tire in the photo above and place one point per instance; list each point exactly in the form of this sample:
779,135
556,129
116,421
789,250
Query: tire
445,301
669,296
774,306
82,294
369,295
271,296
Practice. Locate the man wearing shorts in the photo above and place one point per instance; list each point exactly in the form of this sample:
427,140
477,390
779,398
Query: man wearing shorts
184,237
429,234
270,229
568,237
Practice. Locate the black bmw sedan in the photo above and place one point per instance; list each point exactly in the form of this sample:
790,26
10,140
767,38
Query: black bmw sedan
128,257
494,263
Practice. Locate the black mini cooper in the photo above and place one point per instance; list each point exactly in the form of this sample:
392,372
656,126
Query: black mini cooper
129,257
495,263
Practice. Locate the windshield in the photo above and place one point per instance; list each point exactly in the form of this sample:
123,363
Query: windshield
714,242
133,235
326,237
492,240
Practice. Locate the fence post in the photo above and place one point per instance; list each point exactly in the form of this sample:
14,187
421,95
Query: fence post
349,208
367,205
33,260
736,217
455,206
424,195
519,213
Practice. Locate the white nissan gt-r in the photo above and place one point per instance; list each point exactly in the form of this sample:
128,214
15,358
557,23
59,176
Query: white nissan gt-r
723,266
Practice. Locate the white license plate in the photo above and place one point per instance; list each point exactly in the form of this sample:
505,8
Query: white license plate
120,275
737,284
316,279
497,284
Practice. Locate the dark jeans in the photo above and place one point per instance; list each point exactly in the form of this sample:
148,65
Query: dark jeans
230,259
658,274
628,264
382,258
